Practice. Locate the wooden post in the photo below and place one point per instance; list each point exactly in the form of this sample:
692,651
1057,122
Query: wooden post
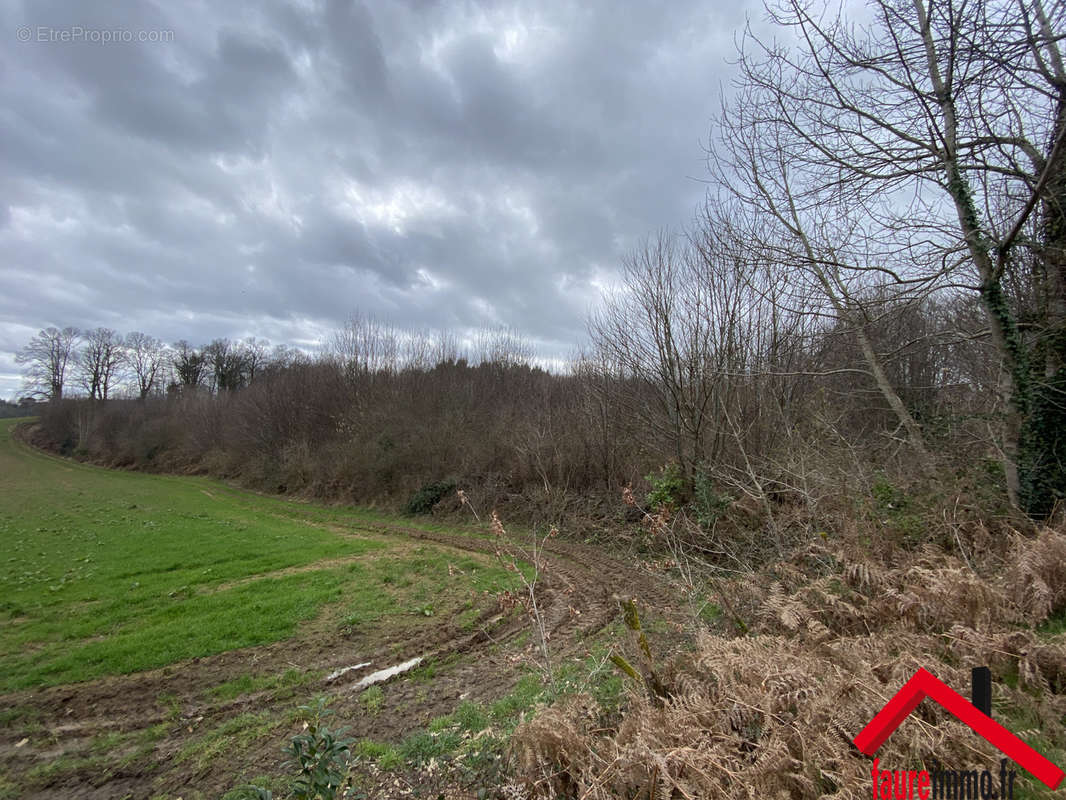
981,691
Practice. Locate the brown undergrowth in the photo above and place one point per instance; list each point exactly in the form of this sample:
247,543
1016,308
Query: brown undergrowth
832,633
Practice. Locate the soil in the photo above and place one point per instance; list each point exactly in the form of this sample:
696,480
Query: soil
577,596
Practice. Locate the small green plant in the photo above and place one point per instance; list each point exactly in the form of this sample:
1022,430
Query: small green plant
386,756
424,499
667,488
888,497
247,684
708,504
249,792
319,754
421,747
895,508
424,672
710,612
372,699
471,717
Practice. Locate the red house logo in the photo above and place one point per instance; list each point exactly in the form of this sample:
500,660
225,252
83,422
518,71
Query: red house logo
924,684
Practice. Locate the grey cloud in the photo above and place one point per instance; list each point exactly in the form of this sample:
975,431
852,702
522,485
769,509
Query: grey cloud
276,166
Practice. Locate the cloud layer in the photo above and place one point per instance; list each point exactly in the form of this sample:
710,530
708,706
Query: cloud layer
267,169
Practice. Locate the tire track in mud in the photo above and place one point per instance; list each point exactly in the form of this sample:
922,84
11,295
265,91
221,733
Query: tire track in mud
573,576
577,591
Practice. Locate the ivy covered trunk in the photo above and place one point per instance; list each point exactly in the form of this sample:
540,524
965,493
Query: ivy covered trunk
1042,459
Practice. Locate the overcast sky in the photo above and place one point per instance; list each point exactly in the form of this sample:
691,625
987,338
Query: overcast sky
266,169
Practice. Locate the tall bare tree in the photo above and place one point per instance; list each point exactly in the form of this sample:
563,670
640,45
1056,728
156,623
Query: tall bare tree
190,365
146,357
656,333
47,358
255,354
364,346
685,334
99,361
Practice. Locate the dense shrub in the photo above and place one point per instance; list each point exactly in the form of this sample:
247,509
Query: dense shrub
424,499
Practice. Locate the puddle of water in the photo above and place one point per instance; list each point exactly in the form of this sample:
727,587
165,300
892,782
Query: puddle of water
338,672
385,674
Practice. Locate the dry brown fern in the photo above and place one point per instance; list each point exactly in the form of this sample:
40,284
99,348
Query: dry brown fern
1036,578
773,714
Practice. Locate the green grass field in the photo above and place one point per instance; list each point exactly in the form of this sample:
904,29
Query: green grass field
107,572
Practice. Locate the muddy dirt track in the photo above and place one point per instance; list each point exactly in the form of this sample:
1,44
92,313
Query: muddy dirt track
576,594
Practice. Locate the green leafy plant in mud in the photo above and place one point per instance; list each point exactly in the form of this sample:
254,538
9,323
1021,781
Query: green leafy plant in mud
319,754
372,699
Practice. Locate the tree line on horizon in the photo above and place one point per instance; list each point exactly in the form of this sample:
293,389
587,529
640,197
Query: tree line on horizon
102,364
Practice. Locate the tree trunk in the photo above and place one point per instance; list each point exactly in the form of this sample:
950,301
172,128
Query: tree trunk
1014,383
1043,437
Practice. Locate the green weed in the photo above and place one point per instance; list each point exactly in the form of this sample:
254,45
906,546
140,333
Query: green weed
282,685
386,756
372,699
229,739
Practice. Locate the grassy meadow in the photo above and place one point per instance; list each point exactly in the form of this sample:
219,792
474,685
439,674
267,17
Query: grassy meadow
109,575
108,572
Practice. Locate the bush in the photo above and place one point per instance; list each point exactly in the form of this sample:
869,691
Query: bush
424,499
667,488
708,504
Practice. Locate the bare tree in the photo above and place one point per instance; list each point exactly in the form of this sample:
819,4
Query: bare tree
146,357
227,365
47,358
365,346
283,356
656,333
934,133
189,365
503,347
597,381
684,335
254,353
99,361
